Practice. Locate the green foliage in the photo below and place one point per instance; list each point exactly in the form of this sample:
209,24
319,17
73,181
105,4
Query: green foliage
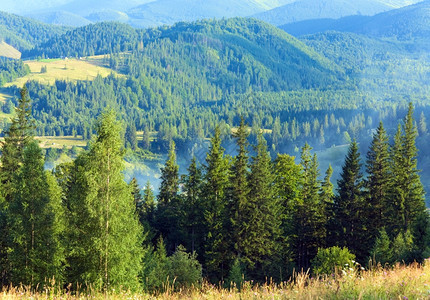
156,268
11,69
102,213
105,37
184,269
382,251
350,210
236,276
215,183
378,180
23,33
329,260
36,223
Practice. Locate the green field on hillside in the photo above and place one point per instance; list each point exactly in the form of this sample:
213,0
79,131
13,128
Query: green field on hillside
63,69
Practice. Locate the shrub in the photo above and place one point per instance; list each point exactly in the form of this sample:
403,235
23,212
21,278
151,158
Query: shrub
184,268
328,260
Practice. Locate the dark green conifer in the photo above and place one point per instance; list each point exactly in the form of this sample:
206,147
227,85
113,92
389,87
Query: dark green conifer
378,181
350,207
215,183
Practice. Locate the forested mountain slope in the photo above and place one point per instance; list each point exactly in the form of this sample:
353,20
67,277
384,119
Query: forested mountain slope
23,33
101,38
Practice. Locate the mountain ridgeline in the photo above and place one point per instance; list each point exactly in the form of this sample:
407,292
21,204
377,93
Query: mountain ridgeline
24,33
231,48
410,23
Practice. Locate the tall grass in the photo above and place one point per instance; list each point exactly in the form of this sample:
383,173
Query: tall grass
398,282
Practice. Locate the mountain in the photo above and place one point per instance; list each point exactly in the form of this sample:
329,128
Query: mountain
311,9
354,52
406,23
108,15
234,52
22,7
23,33
171,11
399,3
99,38
85,7
60,18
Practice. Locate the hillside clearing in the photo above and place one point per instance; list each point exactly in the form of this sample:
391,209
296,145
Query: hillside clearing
7,50
63,69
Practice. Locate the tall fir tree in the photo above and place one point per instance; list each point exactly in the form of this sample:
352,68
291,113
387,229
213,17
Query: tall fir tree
16,138
288,182
407,192
194,208
260,221
169,214
105,247
350,207
36,223
309,221
238,191
215,184
378,181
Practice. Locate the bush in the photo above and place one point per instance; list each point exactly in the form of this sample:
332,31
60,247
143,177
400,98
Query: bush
236,275
330,259
184,268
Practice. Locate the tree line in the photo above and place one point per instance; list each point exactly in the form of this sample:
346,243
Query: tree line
246,216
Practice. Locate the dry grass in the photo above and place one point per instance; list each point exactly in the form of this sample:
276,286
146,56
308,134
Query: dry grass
7,50
63,69
399,282
60,141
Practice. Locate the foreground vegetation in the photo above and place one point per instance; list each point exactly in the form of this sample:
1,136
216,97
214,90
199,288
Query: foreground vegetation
398,282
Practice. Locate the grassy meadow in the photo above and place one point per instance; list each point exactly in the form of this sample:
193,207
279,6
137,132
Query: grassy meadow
398,282
63,69
7,50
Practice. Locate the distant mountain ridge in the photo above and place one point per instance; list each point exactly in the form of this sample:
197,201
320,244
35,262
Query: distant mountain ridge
311,9
23,33
64,18
406,23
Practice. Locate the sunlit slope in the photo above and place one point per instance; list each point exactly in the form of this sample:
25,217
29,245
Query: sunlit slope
23,33
62,69
230,52
7,50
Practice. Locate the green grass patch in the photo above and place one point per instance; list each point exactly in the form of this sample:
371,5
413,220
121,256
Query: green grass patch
63,69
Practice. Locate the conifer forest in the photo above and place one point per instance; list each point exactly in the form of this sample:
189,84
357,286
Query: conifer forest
152,151
232,218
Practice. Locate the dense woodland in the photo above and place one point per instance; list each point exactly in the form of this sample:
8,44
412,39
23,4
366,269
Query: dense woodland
181,81
246,216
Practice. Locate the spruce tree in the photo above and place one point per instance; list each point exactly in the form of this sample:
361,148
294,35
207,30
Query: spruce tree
238,191
193,208
215,183
16,138
407,192
105,248
288,182
350,207
309,219
378,181
169,212
260,222
36,223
